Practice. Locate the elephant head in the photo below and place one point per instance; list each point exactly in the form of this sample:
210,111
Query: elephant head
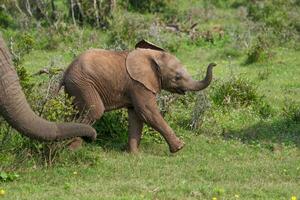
157,69
17,112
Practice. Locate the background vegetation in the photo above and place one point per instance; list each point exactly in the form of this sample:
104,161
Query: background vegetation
242,134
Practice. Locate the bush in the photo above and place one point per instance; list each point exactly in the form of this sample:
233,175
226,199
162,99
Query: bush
86,13
280,15
127,29
291,111
263,108
215,36
58,34
228,4
20,45
151,6
112,124
259,52
6,21
236,91
273,13
112,130
240,92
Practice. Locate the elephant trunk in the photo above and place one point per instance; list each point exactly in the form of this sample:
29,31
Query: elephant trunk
17,112
200,85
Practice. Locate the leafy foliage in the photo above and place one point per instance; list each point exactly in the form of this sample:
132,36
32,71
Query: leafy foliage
240,92
146,5
6,21
292,111
95,13
236,91
259,52
5,177
127,30
280,15
113,124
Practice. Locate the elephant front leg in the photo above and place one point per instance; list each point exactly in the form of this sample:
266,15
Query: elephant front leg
154,118
135,127
146,107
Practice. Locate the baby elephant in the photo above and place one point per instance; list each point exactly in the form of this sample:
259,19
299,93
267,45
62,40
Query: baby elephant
102,80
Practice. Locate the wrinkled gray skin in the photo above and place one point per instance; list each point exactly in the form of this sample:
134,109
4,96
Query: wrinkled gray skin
16,111
102,80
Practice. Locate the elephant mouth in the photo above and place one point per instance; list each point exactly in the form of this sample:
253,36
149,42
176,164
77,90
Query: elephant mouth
180,91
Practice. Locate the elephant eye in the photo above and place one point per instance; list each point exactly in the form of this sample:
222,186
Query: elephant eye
177,77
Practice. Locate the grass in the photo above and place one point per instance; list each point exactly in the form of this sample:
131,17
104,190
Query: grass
206,168
236,154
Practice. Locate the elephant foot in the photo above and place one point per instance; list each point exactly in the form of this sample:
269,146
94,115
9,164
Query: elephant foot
132,150
75,144
177,146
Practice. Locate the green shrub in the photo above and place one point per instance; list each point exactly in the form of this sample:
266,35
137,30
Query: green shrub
21,43
5,176
240,92
280,15
112,124
263,108
259,52
86,13
127,29
174,15
6,21
150,135
228,4
273,13
112,130
53,37
25,79
236,91
25,43
172,44
146,5
210,38
291,111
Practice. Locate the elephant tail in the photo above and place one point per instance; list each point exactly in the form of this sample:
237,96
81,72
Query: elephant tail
61,83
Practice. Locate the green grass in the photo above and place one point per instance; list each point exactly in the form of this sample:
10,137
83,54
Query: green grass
206,168
235,152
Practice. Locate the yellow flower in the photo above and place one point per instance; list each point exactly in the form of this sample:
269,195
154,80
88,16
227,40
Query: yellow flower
294,198
214,198
75,173
2,192
237,196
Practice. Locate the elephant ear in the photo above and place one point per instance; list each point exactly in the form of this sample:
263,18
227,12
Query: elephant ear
143,68
143,44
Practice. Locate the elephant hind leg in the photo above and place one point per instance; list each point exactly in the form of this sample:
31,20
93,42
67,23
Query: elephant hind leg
90,106
88,101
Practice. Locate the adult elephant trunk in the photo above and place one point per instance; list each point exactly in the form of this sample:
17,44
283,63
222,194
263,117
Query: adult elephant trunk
200,85
17,112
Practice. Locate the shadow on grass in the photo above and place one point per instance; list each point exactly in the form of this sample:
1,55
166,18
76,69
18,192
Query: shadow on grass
115,142
282,132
